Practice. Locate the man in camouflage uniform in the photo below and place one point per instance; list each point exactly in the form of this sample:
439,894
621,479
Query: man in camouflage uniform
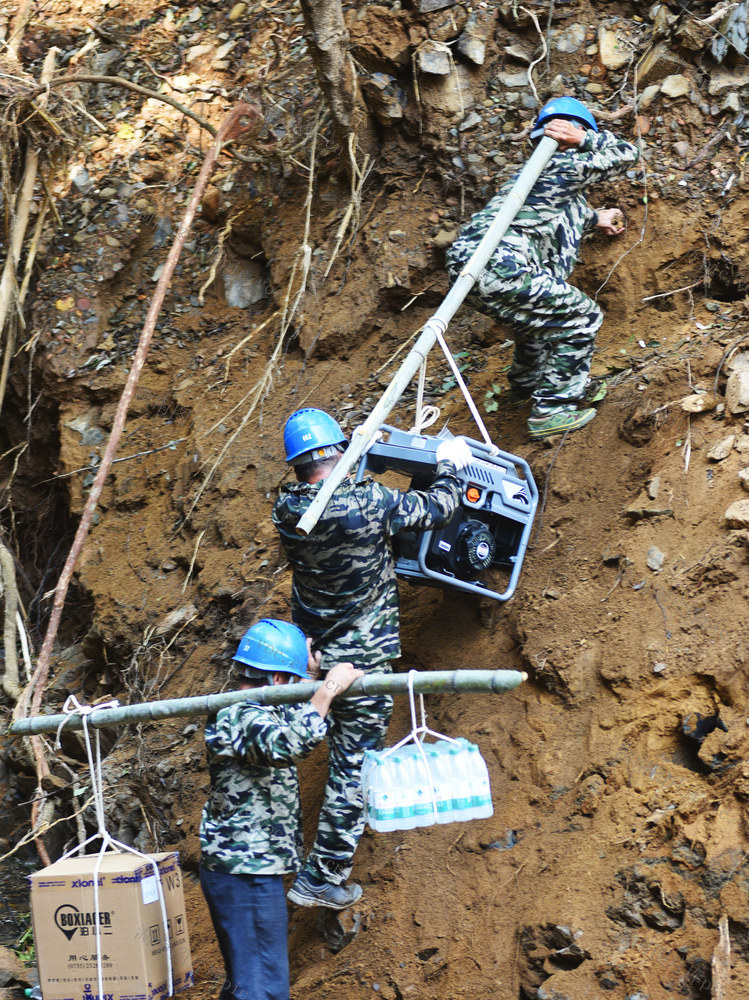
524,285
344,595
250,831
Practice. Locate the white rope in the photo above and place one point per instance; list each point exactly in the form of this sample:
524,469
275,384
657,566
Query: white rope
73,707
464,389
425,415
417,734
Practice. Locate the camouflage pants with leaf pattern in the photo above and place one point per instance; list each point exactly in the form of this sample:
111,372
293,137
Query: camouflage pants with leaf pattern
356,725
553,324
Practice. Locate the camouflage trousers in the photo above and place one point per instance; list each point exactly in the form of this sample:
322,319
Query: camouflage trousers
355,725
553,324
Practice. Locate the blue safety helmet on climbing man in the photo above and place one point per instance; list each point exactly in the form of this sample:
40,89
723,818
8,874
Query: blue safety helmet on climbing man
271,646
311,435
563,107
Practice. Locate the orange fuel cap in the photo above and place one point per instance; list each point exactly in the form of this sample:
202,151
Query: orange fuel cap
473,494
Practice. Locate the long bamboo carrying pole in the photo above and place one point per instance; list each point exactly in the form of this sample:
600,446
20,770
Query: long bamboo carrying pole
424,682
438,323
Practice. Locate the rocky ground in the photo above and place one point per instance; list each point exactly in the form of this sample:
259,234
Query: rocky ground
619,841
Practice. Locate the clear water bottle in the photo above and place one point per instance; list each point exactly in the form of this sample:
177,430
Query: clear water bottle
404,792
462,795
379,796
424,808
443,781
481,795
366,781
413,780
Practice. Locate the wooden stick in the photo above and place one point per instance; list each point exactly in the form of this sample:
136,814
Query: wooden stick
721,962
675,291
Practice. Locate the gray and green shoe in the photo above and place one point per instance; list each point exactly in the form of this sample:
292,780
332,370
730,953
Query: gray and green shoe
558,423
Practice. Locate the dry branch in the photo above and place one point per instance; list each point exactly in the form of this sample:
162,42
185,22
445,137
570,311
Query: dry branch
10,298
9,591
721,962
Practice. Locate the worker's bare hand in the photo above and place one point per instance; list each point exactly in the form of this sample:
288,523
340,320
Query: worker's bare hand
340,678
566,133
611,221
313,661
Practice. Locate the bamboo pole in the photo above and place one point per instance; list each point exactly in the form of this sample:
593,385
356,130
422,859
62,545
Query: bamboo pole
437,324
424,682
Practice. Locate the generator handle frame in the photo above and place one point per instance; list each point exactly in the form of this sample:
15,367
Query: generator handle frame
494,456
516,559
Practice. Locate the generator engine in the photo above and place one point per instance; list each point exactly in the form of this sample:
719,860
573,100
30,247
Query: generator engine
490,529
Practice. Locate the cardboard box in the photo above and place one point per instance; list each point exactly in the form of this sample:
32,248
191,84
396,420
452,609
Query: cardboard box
127,925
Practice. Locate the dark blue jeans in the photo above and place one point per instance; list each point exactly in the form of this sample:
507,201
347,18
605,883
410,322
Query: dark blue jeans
251,922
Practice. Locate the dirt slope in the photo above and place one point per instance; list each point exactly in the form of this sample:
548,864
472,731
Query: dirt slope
618,770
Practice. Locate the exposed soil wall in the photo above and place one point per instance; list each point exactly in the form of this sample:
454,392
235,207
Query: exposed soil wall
619,772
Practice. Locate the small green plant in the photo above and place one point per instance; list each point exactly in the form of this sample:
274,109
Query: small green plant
463,359
25,948
491,398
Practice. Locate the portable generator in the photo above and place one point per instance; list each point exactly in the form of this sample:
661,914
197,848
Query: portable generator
488,532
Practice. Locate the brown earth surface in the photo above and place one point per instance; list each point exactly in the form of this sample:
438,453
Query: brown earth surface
619,776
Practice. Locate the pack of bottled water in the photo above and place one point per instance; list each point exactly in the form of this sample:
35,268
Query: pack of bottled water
420,784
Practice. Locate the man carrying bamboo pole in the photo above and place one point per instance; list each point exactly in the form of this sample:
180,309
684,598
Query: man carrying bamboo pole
250,832
524,285
345,596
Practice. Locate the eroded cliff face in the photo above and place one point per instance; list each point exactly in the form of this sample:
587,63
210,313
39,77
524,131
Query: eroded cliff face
619,839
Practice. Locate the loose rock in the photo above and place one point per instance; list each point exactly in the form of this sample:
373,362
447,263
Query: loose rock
722,449
737,515
737,392
655,559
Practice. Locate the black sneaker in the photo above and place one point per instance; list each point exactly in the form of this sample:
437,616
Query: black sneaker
308,891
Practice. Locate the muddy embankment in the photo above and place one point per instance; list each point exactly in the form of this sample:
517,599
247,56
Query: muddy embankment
619,840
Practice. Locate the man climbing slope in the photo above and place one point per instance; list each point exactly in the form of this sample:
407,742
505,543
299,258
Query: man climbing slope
524,285
344,595
250,832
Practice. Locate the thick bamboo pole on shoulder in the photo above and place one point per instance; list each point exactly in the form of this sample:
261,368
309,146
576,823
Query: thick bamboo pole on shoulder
424,682
438,323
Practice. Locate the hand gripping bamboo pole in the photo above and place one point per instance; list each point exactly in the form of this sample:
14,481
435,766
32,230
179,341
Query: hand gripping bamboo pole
438,323
424,682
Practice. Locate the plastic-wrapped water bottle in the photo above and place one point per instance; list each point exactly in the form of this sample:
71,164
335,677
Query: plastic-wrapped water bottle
425,783
381,804
481,796
444,789
459,769
421,781
405,814
370,757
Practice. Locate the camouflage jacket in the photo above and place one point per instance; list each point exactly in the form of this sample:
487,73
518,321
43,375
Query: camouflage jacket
251,823
550,225
344,592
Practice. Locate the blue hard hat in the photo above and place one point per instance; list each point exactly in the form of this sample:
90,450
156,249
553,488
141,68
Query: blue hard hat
271,645
311,430
563,107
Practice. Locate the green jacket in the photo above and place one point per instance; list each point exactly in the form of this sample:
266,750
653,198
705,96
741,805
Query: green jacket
251,823
344,591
